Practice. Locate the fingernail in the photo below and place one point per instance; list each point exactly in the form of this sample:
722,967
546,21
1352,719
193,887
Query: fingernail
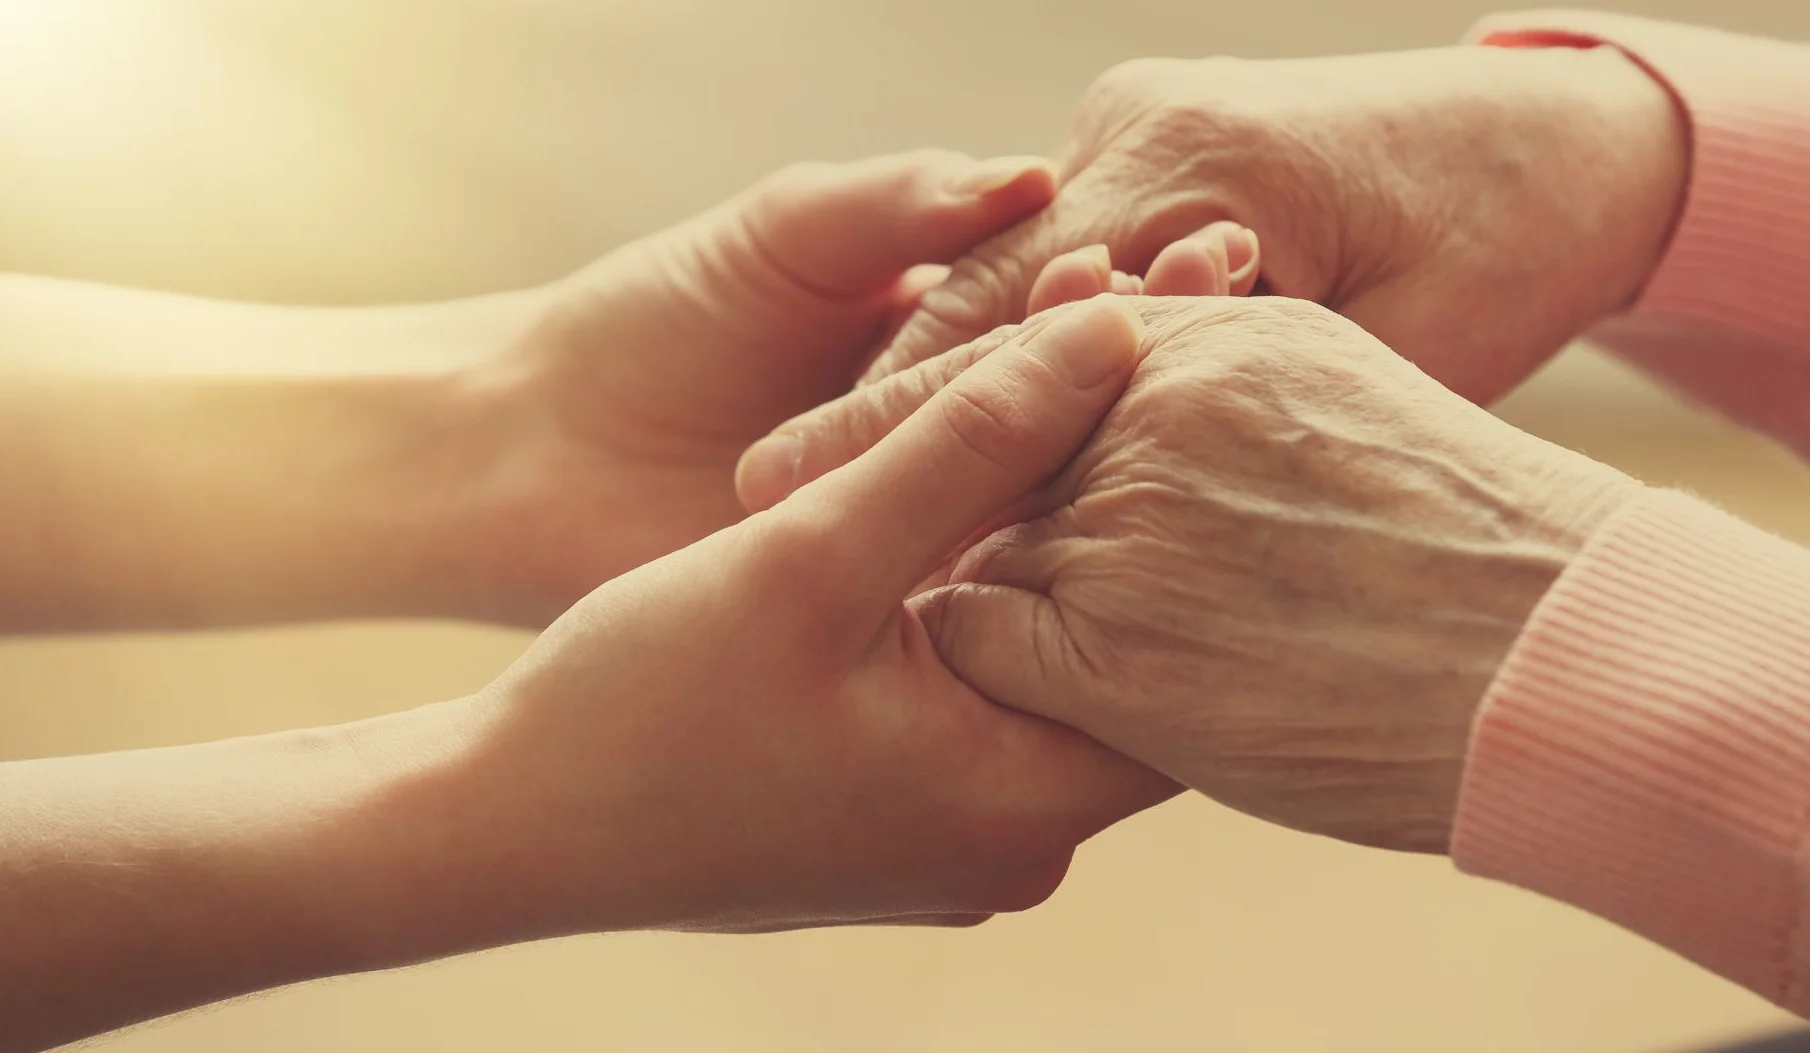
1241,251
1099,257
1092,342
929,608
991,176
768,470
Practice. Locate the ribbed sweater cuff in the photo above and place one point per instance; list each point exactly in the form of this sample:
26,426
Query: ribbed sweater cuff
1644,752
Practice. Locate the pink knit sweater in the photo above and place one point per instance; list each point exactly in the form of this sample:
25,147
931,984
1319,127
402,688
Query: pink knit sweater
1644,752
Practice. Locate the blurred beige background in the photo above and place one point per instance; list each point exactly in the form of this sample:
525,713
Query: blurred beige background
360,150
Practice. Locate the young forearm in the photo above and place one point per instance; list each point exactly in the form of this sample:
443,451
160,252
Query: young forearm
134,885
169,462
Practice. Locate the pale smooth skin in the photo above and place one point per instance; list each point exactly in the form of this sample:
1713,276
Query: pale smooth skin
1282,573
752,733
1472,207
176,462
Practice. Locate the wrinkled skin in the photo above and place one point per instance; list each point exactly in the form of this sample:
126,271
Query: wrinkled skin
1283,573
1474,208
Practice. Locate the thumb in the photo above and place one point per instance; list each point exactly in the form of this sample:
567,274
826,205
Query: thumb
836,432
831,435
978,446
848,231
1007,644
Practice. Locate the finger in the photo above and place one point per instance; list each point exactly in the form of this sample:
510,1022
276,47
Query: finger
1244,259
1008,644
1188,267
1013,647
902,302
831,435
1079,275
846,231
1127,284
1220,260
991,286
978,445
1026,553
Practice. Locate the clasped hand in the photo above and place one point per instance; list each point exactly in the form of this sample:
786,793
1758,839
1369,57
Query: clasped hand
1287,564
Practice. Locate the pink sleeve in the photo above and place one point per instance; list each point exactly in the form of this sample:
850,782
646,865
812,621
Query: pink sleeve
1726,316
1644,752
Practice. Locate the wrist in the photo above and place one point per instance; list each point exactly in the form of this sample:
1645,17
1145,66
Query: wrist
219,473
408,853
1620,134
348,496
530,534
1556,501
394,463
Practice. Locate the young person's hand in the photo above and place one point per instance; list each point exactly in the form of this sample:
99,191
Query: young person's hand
174,462
645,375
752,733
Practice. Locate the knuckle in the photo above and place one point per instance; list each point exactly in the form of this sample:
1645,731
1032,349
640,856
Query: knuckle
987,419
1310,329
833,435
920,383
1133,80
825,442
1221,329
1199,138
977,294
1234,374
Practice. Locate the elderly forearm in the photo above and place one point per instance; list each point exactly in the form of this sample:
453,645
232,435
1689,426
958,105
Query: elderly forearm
170,462
1723,316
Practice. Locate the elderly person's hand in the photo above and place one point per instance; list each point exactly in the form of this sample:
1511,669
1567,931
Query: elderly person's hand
1283,573
1473,207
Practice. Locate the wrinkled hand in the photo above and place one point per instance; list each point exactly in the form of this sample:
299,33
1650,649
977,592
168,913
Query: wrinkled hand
620,413
1474,208
1283,572
754,732
1219,261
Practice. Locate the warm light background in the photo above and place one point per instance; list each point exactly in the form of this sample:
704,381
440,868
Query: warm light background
360,150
